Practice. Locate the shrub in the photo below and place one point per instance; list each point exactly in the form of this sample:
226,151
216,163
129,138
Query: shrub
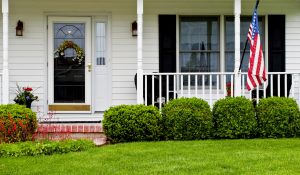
234,117
187,119
278,117
44,148
127,123
17,123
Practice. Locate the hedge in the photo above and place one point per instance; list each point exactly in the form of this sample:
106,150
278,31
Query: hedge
234,117
17,123
187,119
127,123
278,117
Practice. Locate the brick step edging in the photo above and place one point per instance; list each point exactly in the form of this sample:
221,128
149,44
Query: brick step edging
70,128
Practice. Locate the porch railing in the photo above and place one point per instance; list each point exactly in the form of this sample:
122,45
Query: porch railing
159,88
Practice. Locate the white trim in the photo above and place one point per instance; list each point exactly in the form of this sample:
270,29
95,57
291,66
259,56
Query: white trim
87,21
237,47
5,78
140,9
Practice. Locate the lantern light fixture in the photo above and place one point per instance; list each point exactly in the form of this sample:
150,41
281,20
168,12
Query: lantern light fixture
19,28
134,28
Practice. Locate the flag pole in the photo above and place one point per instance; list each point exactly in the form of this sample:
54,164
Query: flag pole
257,3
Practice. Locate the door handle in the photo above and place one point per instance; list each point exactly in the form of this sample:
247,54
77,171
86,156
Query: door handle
89,67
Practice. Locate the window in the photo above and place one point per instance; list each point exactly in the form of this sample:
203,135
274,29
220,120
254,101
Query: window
229,41
69,75
199,46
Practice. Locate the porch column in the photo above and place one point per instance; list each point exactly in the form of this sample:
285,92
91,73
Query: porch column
237,53
140,52
5,78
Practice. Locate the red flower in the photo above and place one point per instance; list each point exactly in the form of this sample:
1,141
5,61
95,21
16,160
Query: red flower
27,88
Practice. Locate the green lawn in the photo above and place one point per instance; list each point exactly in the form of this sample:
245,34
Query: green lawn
195,157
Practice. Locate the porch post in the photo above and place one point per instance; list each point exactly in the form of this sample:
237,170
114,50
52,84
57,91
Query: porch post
5,78
140,52
237,53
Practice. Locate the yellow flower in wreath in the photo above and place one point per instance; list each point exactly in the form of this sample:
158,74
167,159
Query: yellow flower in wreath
70,44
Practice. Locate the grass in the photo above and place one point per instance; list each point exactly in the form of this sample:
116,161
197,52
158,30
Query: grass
191,157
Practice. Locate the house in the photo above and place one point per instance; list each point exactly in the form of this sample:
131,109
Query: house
196,36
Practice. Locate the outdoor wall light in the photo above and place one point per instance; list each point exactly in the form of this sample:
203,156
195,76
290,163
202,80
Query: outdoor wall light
134,28
19,28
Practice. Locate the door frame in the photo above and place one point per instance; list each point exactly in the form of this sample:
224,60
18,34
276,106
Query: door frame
69,107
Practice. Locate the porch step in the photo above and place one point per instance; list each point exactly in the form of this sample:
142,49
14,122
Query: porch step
58,131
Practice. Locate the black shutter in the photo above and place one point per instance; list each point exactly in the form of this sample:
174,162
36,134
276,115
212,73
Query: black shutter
276,43
277,58
167,43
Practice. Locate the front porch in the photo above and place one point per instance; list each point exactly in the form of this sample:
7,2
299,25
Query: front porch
194,46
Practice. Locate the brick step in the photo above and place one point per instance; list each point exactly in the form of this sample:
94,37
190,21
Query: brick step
54,131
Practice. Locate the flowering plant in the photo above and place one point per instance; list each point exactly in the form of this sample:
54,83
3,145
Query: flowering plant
60,52
24,95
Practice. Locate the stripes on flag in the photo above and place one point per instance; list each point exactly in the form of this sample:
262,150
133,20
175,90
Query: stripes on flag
256,68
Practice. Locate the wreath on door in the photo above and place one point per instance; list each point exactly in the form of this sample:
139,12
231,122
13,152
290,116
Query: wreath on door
70,44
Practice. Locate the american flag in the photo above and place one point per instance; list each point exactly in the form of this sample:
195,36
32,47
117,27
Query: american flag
256,68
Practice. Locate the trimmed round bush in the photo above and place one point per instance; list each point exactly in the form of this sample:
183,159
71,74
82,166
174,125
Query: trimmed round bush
278,117
17,123
127,123
234,117
187,119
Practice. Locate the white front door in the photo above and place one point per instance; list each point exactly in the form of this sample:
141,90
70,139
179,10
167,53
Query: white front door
101,62
69,64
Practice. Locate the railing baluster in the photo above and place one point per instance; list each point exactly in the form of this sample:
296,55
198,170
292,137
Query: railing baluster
218,76
167,88
153,90
210,89
265,89
243,85
257,94
278,85
285,85
146,90
272,85
203,86
181,82
175,86
196,86
189,86
160,100
224,86
231,85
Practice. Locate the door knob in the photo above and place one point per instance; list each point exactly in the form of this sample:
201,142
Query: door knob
89,67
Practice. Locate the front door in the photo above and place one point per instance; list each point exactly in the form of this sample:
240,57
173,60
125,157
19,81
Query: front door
69,64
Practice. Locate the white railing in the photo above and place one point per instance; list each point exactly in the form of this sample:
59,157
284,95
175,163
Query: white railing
1,86
159,88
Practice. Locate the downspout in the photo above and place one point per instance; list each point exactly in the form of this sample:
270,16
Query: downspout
237,47
140,52
5,78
